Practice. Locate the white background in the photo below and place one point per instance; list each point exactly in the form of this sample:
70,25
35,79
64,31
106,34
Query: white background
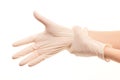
17,21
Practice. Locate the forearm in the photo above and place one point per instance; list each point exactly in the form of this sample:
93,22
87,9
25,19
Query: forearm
113,54
109,37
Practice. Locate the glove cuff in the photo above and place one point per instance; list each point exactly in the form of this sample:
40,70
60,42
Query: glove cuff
101,54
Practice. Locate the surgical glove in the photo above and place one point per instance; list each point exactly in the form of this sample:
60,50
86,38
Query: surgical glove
54,39
83,45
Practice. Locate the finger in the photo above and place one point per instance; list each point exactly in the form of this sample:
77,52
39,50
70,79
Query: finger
41,18
45,54
24,41
77,31
55,29
33,55
23,52
38,60
85,31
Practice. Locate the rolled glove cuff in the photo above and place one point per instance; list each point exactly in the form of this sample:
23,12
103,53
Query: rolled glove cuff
101,53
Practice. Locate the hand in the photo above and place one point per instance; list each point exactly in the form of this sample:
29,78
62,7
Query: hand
54,39
83,45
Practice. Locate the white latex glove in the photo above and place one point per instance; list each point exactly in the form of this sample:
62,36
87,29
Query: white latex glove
54,39
85,46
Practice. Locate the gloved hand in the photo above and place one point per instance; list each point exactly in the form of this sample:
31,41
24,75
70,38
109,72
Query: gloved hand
83,45
54,39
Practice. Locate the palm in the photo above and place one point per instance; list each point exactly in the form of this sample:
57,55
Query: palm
54,39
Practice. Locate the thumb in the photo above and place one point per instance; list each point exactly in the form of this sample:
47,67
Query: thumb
42,19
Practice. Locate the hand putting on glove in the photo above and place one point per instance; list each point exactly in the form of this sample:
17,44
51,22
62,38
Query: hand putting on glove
83,45
54,39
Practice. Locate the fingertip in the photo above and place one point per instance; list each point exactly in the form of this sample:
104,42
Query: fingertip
14,45
76,30
30,65
34,13
85,30
37,15
21,64
13,57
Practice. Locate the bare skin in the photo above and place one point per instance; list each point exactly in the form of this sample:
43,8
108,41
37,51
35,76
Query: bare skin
112,53
109,37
